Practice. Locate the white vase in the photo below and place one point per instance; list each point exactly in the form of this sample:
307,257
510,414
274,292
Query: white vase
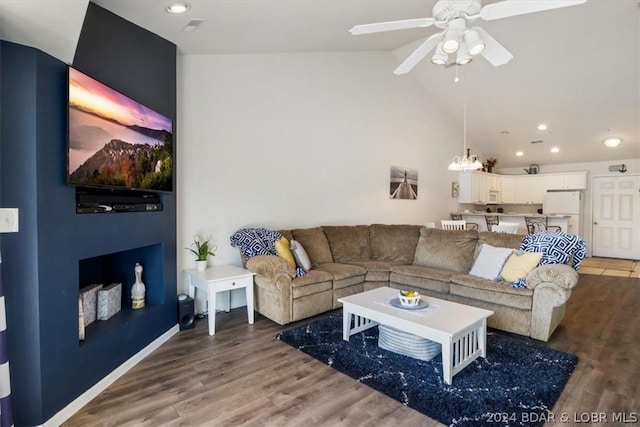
138,289
201,265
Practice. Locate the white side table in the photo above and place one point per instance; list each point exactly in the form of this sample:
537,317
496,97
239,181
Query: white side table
217,279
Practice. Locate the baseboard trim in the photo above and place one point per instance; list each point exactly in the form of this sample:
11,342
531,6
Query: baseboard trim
102,385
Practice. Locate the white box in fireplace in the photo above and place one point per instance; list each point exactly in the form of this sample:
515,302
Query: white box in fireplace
89,296
109,301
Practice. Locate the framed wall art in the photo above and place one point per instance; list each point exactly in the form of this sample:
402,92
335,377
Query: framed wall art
403,183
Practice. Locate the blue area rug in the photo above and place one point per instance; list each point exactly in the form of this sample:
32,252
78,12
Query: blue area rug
517,384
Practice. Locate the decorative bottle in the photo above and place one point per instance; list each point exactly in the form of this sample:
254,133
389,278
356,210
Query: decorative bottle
138,289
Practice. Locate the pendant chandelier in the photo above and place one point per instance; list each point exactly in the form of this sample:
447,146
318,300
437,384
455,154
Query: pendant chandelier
466,162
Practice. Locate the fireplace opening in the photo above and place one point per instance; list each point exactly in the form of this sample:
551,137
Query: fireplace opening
103,306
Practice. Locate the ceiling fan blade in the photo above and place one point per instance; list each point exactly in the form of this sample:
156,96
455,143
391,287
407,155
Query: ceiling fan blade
507,8
493,51
391,26
418,54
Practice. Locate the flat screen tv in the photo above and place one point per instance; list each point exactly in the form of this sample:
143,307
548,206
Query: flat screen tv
114,141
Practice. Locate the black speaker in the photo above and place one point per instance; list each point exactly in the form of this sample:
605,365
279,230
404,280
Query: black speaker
186,317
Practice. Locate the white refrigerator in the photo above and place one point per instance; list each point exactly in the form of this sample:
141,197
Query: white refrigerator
568,203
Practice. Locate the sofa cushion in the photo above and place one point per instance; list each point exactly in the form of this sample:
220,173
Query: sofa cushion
315,243
348,242
377,271
446,249
394,242
313,282
372,266
489,262
286,234
494,292
414,276
501,240
424,272
343,274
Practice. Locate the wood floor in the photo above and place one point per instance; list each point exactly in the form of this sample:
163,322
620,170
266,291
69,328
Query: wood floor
244,377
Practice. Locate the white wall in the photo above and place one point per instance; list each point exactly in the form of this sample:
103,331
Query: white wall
300,140
594,169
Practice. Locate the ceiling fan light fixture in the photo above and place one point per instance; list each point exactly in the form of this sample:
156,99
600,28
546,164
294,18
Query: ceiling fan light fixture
450,46
463,57
439,57
474,43
453,36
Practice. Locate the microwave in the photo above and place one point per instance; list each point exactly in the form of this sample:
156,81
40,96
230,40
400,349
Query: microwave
493,196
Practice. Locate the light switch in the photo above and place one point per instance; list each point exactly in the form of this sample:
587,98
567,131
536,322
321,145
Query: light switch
8,220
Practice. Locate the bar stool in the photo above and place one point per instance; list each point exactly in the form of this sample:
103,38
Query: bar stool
491,221
469,225
506,227
536,223
453,224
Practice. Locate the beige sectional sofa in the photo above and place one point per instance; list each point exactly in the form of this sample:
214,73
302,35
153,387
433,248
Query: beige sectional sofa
352,259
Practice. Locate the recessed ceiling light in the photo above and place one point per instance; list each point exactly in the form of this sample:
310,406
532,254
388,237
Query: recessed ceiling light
177,8
612,142
555,150
519,153
542,126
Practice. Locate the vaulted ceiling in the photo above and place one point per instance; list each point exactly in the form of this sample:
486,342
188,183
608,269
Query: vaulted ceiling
577,69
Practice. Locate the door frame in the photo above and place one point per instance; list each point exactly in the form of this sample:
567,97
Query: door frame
593,201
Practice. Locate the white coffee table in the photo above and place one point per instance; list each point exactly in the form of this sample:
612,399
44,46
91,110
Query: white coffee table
460,329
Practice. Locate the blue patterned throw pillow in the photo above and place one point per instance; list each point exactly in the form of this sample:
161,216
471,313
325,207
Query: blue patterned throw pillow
258,241
255,241
557,247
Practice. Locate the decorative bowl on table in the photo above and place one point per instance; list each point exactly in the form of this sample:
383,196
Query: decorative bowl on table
409,298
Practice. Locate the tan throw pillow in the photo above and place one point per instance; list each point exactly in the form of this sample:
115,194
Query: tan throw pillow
283,251
519,265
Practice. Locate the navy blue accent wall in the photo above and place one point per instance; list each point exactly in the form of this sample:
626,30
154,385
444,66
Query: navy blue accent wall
46,263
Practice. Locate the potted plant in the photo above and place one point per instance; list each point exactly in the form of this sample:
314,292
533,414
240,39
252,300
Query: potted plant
490,163
202,250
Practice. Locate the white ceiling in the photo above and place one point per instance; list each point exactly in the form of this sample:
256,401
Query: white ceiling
576,69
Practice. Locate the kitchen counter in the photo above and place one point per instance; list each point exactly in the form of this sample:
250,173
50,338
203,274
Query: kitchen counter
478,217
510,214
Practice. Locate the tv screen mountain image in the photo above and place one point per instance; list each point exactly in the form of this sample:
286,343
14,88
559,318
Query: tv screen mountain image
115,141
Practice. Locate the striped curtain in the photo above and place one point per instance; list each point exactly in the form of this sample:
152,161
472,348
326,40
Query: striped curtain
6,416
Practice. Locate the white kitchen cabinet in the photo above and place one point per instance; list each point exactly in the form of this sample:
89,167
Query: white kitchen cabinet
539,184
568,181
531,189
493,182
472,187
523,189
479,187
508,188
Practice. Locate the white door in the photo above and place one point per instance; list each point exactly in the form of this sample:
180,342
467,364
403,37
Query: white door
616,216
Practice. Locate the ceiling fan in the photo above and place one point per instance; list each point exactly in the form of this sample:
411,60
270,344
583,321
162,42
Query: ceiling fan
453,17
